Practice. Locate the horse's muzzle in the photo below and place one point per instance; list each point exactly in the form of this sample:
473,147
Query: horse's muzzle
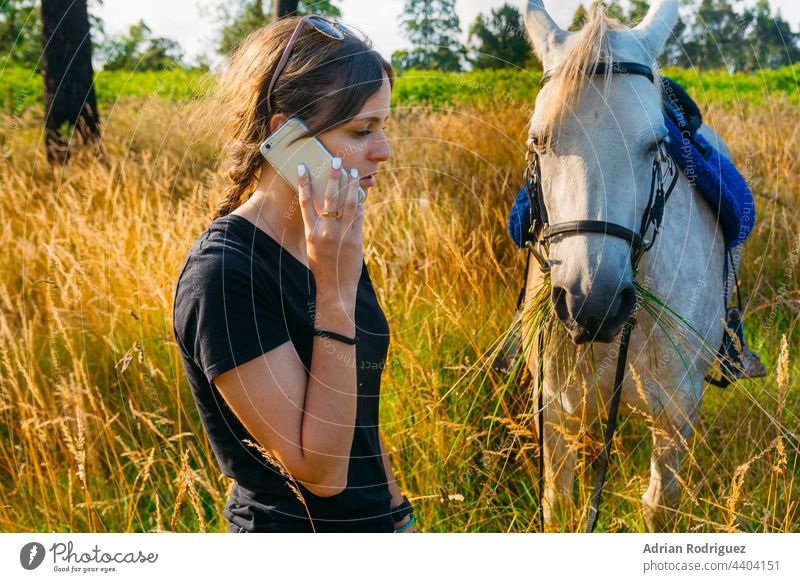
593,317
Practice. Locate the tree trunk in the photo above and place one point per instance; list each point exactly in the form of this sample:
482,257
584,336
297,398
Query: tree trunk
283,8
68,75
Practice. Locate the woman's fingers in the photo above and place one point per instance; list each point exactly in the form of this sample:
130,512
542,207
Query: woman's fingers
306,197
350,199
358,221
331,199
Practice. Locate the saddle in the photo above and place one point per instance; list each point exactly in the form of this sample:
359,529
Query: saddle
726,190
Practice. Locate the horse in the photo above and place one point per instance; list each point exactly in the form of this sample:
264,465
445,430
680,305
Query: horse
595,137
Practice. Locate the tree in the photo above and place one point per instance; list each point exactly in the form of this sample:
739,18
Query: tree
251,15
68,75
501,40
613,9
431,26
20,31
283,8
770,38
638,10
579,19
139,50
236,26
716,38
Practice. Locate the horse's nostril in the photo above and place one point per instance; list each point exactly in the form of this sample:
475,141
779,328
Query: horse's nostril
559,298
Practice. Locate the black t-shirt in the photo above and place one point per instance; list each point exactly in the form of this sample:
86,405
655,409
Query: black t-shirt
239,295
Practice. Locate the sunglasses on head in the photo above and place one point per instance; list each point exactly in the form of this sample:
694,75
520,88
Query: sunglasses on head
328,27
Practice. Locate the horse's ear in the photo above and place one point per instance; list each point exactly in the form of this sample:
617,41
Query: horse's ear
654,31
543,31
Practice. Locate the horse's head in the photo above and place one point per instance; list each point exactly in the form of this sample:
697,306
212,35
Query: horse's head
596,137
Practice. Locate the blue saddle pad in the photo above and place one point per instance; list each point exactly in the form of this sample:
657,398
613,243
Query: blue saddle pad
711,172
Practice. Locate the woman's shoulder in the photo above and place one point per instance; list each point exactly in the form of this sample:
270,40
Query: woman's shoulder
225,252
220,241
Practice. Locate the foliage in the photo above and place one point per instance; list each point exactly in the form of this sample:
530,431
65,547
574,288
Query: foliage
235,26
772,42
501,40
139,50
431,26
581,15
719,36
21,88
715,34
250,15
579,18
20,31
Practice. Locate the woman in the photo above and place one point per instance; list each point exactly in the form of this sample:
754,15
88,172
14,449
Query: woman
280,331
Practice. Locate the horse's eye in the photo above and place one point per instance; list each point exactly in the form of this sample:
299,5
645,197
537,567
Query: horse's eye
655,146
538,142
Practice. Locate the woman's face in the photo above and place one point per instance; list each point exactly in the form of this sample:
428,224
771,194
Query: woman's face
361,141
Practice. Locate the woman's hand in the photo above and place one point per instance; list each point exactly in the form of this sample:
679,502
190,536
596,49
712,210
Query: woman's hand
335,244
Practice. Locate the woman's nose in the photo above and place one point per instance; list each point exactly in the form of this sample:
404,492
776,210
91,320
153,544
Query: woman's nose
379,150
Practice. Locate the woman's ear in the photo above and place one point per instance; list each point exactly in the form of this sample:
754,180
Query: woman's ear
276,121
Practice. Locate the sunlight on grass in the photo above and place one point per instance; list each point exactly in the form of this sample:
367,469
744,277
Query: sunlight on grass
99,427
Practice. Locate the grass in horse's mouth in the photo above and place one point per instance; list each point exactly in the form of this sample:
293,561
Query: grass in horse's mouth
538,315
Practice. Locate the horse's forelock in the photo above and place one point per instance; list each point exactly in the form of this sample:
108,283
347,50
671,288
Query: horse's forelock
590,47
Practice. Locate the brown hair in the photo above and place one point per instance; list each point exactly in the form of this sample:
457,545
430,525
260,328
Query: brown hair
324,83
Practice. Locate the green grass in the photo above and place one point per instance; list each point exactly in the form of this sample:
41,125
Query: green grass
20,88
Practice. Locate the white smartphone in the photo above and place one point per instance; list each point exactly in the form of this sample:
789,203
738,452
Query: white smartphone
288,146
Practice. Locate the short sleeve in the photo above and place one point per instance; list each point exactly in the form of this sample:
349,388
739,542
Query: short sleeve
223,315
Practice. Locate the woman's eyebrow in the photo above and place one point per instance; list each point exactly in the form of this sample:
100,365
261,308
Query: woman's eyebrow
371,119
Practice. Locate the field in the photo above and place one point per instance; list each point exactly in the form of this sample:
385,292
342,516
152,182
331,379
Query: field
99,430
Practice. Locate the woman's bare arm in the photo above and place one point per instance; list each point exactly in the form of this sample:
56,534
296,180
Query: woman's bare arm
306,422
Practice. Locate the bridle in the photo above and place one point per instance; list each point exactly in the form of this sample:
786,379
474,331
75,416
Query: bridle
664,178
663,181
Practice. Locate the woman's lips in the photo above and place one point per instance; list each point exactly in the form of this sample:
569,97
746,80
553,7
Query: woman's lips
367,181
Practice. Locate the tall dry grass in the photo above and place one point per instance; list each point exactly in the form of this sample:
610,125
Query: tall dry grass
99,431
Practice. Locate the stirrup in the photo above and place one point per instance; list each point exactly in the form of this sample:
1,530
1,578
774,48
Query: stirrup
505,362
736,359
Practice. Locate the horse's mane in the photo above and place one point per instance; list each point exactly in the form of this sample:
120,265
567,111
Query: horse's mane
567,85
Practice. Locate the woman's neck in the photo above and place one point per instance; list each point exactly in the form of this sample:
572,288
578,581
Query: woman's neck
274,208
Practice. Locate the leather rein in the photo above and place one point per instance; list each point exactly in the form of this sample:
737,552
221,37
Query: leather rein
664,178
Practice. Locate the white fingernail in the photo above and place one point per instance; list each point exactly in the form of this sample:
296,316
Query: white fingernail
354,173
337,163
301,170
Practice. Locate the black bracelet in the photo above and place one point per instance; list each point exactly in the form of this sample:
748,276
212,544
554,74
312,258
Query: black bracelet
401,511
324,333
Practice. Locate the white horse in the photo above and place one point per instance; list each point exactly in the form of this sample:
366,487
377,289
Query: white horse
603,134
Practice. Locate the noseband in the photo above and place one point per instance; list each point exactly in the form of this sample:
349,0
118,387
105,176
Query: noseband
663,181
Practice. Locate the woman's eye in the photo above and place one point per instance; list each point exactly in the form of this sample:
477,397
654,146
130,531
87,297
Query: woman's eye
363,133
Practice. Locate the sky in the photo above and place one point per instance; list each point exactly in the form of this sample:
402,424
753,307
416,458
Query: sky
193,23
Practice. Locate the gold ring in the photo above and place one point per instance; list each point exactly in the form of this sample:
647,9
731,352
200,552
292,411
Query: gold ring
326,214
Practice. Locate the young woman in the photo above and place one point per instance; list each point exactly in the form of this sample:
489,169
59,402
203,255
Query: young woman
279,328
